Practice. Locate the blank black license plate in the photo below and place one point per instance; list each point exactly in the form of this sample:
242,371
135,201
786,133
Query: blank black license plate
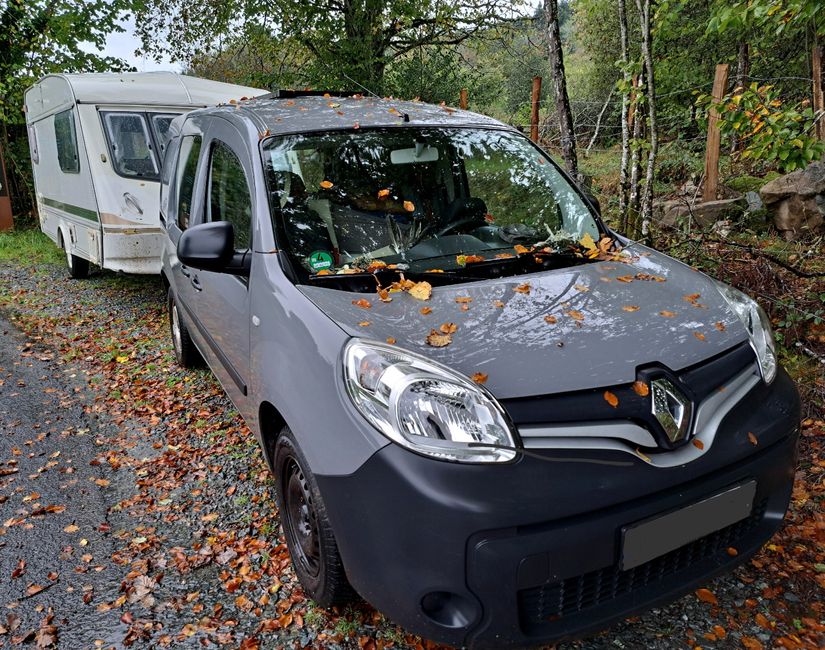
648,539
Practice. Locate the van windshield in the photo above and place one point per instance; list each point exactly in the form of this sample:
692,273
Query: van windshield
137,141
422,200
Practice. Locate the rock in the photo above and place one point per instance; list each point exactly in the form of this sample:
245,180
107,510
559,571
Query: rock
795,215
803,182
754,201
670,213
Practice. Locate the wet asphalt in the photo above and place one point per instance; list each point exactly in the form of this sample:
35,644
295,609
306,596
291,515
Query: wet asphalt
54,513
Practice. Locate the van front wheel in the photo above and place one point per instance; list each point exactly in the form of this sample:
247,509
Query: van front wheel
186,353
308,533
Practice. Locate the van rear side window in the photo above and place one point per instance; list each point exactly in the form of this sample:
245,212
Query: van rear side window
190,149
131,145
65,136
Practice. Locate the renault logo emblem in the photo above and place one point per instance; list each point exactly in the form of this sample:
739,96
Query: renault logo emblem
671,408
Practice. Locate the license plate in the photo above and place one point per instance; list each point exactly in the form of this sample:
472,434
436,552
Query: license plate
648,539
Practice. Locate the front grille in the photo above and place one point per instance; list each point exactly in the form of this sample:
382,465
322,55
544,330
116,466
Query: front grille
540,607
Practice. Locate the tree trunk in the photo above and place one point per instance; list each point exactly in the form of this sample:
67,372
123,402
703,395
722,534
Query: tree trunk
599,119
650,91
364,51
623,180
635,163
568,135
743,67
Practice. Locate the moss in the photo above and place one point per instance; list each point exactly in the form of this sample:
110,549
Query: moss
745,183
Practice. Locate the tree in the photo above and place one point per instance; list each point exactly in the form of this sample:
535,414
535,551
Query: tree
565,115
38,37
351,41
644,9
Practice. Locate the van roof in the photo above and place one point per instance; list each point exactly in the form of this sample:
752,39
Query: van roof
303,114
166,88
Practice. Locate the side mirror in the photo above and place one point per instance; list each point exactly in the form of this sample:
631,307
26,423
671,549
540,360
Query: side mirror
211,247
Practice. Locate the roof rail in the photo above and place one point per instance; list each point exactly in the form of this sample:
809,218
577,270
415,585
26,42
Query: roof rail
283,93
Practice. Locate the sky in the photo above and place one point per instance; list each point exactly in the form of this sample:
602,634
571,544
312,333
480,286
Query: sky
123,46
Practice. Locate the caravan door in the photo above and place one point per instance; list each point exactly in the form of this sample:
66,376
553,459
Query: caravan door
127,184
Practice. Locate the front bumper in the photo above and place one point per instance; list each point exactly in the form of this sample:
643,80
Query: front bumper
528,553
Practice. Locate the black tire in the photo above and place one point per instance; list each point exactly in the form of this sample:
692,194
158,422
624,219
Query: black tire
77,266
307,530
186,353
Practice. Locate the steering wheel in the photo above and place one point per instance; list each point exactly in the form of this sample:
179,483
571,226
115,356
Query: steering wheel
456,225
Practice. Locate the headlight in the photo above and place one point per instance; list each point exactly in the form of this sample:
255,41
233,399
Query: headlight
424,406
758,326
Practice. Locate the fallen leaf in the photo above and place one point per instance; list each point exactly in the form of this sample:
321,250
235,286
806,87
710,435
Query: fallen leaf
71,528
720,326
641,388
550,319
421,290
364,323
326,184
751,643
625,278
611,399
521,250
362,303
424,311
698,443
463,299
409,206
667,314
383,194
631,308
437,340
390,340
706,596
732,551
699,336
448,328
752,438
523,288
479,377
102,482
581,287
575,315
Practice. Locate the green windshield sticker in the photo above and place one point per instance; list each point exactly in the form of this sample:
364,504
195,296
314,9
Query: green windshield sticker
320,260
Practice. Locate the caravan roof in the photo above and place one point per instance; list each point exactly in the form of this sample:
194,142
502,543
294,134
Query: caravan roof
132,88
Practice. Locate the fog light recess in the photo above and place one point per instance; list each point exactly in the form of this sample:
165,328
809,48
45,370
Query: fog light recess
448,609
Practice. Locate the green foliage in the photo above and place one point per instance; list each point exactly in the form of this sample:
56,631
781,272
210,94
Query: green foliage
782,17
768,130
350,43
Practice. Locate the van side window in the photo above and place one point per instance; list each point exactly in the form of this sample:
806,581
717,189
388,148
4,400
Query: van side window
65,136
131,145
190,149
229,198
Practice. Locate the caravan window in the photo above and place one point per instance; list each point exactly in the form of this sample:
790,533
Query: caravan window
65,137
131,145
35,151
160,129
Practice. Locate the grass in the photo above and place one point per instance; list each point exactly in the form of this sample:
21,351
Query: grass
29,247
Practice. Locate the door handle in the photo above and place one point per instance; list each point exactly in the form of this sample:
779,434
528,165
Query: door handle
197,284
185,270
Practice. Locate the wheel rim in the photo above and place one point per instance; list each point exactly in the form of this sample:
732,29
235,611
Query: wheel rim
300,519
176,336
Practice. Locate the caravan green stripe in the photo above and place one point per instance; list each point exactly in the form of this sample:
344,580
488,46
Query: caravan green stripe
71,209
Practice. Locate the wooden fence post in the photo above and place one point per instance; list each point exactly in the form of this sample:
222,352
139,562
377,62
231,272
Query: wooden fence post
534,113
720,81
819,98
462,99
6,221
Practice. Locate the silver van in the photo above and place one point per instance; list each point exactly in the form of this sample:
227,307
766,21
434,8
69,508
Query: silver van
492,417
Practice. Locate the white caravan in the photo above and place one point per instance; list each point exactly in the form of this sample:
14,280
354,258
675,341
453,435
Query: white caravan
97,143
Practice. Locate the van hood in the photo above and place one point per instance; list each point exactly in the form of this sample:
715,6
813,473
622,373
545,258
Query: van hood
610,318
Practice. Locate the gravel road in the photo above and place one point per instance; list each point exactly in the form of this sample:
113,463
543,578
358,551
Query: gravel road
137,510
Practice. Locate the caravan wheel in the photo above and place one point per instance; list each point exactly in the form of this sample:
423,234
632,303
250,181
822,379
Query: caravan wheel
78,267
